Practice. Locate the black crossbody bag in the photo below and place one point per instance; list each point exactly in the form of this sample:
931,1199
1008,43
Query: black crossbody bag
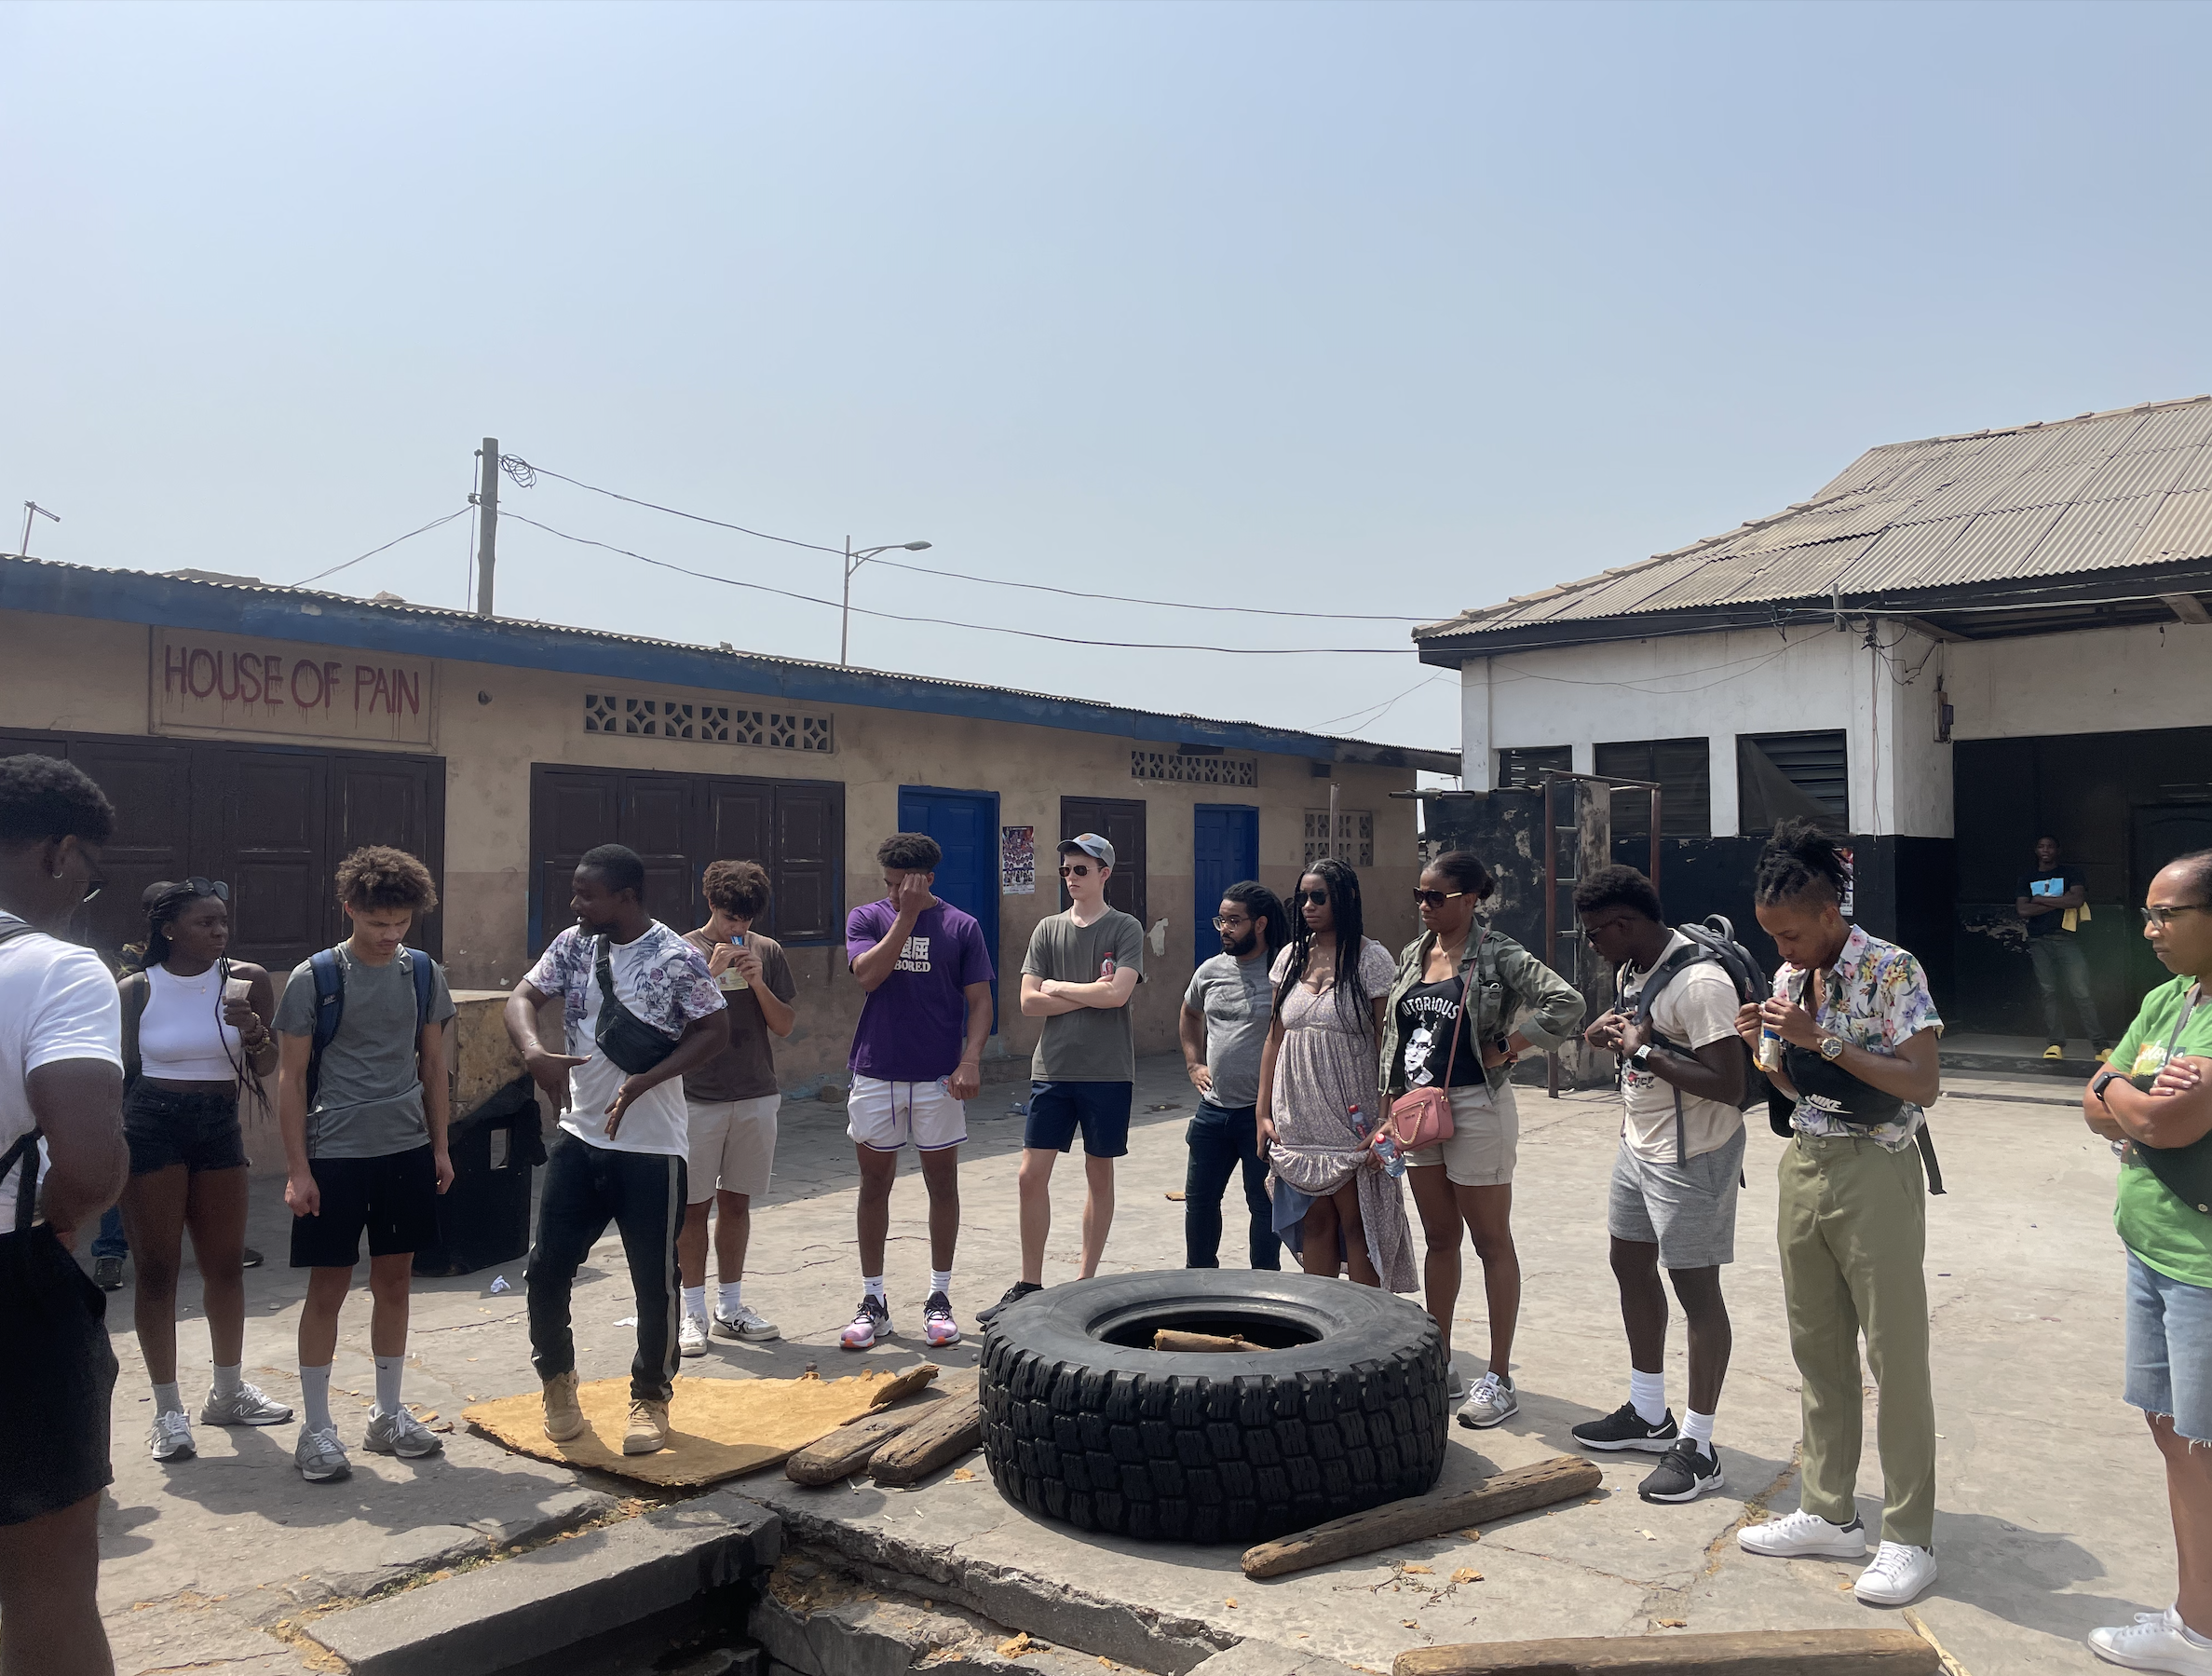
1826,1087
2186,1172
623,1037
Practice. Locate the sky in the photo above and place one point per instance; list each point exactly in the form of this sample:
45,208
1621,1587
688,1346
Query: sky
1363,310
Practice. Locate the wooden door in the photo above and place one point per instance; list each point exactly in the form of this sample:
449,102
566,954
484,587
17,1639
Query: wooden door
1119,820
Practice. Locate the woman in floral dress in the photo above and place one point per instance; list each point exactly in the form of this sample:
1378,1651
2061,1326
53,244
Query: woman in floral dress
1318,1083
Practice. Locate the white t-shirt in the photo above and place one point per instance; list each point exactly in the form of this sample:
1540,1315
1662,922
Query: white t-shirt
57,1002
1698,1006
662,980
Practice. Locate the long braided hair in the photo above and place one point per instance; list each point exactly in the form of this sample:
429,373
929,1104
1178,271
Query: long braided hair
1354,1005
164,902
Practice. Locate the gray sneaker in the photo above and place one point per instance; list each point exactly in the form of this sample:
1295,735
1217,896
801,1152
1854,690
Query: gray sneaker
400,1433
746,1323
319,1456
249,1405
1491,1402
170,1438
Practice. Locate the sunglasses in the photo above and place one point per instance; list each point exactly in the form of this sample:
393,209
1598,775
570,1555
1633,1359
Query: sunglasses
1437,898
1314,898
1077,871
207,887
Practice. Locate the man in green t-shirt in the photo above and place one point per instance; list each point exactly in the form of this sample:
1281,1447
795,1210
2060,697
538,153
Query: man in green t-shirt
2156,1093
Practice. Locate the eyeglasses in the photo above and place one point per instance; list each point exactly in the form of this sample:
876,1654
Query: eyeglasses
93,886
1221,925
2164,917
1437,898
1314,898
1077,871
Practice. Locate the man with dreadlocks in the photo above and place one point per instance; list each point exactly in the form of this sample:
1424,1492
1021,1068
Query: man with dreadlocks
1857,1051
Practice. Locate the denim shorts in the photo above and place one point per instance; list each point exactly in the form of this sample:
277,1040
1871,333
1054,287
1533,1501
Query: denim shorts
166,1127
2169,1349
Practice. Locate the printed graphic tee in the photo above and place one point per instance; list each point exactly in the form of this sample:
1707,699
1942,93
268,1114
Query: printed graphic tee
1696,1009
913,1023
2174,1239
2056,882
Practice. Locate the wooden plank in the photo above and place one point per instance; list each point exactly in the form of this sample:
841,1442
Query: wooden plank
1558,1479
1737,1653
851,1446
1212,1344
949,1429
905,1385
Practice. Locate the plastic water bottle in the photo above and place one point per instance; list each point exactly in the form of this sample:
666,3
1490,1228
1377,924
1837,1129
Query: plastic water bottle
1393,1161
1769,1048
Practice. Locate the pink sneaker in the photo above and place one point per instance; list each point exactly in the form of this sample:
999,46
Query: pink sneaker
939,1329
871,1322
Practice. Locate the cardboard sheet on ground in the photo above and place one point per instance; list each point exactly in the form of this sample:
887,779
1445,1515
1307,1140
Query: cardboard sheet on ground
718,1428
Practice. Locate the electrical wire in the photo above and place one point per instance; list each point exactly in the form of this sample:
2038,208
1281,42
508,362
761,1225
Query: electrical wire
1382,709
516,468
1139,646
393,542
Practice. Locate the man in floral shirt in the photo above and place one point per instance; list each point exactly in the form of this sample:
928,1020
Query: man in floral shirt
1856,1050
625,1137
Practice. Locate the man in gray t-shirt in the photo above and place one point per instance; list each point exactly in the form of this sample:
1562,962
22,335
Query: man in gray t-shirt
369,1093
1224,1027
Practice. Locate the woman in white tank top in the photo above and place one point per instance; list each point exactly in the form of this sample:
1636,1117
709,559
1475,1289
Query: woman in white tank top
194,1024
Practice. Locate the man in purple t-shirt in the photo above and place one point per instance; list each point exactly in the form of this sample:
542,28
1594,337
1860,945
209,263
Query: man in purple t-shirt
915,1056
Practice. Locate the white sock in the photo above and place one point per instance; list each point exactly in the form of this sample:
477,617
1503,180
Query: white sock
167,1399
315,1399
1699,1427
941,1280
695,1303
733,1298
388,1368
228,1380
1648,1392
873,1286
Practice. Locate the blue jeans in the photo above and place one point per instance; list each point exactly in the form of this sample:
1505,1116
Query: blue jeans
1222,1139
110,1241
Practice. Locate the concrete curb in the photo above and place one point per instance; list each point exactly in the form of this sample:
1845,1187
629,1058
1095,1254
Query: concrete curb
503,1613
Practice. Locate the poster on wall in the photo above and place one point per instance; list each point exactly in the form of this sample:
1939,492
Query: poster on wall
1849,881
1017,861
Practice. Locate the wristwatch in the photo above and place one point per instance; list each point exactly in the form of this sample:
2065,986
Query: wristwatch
1831,1047
1641,1058
2104,1079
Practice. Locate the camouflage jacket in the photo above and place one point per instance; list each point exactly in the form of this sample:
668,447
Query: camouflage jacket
1507,979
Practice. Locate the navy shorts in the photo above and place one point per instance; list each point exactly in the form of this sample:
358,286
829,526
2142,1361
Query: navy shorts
1100,1110
394,1199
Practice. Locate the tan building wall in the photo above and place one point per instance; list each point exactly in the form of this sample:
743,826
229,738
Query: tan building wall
491,723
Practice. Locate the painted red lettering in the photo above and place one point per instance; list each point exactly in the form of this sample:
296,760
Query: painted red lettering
229,691
304,668
191,665
330,684
272,672
172,673
249,673
363,677
410,688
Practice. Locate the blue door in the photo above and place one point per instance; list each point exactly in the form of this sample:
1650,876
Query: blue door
966,827
1225,844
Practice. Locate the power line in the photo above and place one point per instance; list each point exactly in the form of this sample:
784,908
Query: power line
517,468
393,542
1139,646
1379,711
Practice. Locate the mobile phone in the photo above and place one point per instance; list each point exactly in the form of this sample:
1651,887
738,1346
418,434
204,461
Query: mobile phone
731,977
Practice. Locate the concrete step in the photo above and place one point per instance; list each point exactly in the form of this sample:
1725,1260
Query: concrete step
652,1573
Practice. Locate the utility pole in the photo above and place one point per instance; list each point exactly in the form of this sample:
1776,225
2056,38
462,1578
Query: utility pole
853,560
30,507
487,521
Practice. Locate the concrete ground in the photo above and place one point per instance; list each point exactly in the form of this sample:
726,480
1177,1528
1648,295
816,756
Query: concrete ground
2053,1510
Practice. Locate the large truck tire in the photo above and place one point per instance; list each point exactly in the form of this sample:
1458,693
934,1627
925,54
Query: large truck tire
1084,1421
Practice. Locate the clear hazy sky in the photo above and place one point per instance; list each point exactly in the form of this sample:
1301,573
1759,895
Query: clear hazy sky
1356,308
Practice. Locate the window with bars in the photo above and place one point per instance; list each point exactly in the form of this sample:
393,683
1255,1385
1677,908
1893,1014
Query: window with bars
1781,775
707,724
1522,765
1174,768
1355,841
1684,770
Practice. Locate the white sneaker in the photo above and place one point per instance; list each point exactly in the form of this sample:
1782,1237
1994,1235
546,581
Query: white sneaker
746,1323
1798,1535
1492,1402
1897,1575
2155,1642
691,1338
170,1436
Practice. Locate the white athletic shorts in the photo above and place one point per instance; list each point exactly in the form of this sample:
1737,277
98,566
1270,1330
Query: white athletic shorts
733,1146
884,1116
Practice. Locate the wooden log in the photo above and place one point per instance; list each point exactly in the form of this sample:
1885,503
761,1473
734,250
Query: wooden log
1558,1479
851,1446
947,1430
1167,1339
903,1384
1738,1652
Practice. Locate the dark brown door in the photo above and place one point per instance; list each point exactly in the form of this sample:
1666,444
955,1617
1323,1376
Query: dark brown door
810,839
1119,820
661,821
270,820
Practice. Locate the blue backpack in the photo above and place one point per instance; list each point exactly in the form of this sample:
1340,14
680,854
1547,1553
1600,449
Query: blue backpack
330,1003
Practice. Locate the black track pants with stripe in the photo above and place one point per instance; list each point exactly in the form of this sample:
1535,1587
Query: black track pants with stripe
641,1193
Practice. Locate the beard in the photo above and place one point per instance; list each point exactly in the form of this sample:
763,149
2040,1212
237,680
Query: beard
1241,945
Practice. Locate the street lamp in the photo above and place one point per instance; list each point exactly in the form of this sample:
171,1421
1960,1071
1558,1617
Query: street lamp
853,560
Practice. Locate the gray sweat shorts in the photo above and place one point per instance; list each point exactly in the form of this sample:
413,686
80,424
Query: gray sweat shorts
1688,1211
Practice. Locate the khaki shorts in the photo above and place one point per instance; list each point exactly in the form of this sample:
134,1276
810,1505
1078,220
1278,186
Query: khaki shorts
1486,1139
733,1145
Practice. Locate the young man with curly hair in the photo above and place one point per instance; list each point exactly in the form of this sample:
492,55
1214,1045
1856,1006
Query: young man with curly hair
733,1101
362,1110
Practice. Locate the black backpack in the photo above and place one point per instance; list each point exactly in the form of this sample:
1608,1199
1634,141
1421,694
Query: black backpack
1712,943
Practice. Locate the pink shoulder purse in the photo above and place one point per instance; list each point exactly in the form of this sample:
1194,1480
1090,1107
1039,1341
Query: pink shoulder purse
1422,1117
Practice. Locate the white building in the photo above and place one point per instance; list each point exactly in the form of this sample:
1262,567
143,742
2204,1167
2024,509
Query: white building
1956,646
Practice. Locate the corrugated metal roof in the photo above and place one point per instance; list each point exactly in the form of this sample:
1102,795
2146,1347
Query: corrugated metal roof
2102,491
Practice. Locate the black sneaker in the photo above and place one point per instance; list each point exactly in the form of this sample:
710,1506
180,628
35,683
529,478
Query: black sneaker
1684,1473
1625,1428
249,1257
107,1274
1014,1294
